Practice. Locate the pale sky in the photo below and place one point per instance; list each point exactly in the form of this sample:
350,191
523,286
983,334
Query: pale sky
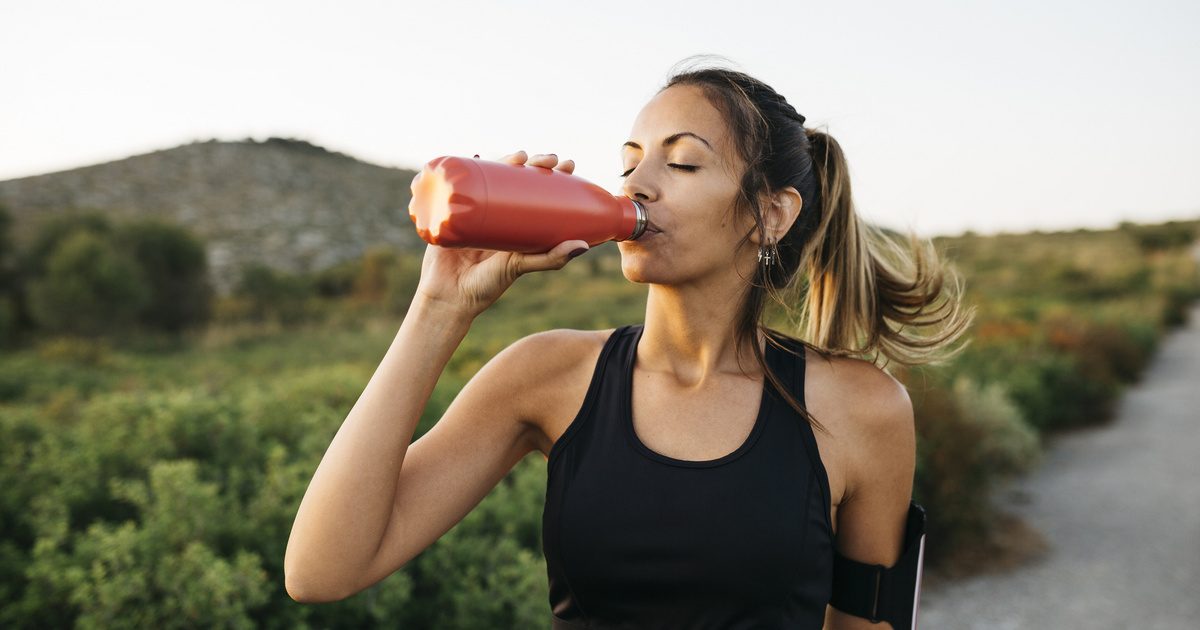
954,115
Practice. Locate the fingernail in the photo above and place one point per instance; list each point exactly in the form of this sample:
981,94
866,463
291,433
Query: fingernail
577,252
476,155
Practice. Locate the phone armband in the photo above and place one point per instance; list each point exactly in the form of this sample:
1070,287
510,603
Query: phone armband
878,593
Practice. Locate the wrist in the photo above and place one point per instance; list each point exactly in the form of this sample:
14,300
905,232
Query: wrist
429,309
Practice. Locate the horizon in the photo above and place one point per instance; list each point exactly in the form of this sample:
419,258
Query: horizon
947,125
959,234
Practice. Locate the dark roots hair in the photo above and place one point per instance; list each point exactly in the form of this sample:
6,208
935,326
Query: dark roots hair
865,293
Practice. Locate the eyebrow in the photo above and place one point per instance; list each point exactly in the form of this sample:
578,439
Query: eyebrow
671,140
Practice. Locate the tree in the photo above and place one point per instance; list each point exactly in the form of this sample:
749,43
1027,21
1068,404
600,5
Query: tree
174,266
53,231
88,287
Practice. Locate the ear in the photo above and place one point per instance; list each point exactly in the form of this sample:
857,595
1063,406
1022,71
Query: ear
779,213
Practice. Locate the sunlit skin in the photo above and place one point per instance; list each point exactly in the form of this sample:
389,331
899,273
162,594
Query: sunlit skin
378,499
691,398
696,279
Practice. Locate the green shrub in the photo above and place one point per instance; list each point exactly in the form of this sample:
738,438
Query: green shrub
128,498
174,267
53,231
77,350
1153,238
371,283
8,320
969,438
272,295
337,281
402,280
1178,303
160,570
1054,393
89,288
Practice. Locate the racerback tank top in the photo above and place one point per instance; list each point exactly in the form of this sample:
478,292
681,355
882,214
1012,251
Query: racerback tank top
637,539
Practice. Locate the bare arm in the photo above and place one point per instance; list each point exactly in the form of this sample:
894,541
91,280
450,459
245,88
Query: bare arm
367,510
871,520
349,501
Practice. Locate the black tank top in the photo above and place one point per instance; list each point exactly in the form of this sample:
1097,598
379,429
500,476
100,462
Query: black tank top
636,539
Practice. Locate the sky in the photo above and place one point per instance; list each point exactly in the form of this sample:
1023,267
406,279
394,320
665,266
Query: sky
986,116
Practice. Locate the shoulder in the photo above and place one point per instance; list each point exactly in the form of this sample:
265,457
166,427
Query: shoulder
551,351
877,419
876,401
554,369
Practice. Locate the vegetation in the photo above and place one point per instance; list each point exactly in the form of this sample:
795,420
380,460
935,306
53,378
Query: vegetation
151,486
84,276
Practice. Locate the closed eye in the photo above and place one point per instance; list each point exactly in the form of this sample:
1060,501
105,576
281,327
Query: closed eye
682,167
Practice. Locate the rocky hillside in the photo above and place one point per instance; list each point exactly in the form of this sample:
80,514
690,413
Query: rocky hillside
286,203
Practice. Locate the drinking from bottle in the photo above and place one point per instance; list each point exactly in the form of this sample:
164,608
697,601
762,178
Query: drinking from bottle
468,202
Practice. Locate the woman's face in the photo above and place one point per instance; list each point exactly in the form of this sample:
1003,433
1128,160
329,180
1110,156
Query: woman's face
688,185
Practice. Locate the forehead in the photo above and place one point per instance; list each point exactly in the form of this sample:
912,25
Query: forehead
675,109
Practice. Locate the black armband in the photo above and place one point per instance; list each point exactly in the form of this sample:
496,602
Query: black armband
879,593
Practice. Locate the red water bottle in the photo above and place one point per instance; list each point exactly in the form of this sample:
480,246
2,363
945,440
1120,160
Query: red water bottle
468,202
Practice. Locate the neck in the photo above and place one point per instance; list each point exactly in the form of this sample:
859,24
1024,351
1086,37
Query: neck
689,333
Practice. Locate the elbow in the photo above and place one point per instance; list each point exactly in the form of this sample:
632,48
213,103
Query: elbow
308,586
302,590
308,591
298,592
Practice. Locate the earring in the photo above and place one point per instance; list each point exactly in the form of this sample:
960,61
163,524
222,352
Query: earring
767,256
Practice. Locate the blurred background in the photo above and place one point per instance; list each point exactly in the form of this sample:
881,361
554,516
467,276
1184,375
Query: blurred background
205,252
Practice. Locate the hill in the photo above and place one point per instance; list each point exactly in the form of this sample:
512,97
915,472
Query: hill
287,203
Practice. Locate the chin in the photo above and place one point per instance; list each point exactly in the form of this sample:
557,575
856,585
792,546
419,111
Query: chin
641,266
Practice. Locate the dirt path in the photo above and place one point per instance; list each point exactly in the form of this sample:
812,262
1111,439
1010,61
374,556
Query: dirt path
1119,506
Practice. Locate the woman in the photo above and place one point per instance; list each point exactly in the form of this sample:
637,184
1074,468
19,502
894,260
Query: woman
684,490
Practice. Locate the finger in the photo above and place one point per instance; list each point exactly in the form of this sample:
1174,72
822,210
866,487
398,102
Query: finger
515,158
556,258
567,166
547,160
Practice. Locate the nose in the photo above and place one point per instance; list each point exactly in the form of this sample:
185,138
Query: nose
634,188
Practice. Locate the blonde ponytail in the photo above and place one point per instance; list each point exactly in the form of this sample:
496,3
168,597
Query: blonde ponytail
864,293
868,294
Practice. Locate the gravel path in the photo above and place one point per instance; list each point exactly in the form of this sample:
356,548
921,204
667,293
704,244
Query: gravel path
1119,506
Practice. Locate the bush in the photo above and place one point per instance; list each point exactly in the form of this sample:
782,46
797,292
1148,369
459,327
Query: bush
89,287
80,350
273,295
338,280
1109,352
1054,393
174,266
402,280
371,283
1154,238
53,231
8,320
969,437
1177,308
173,508
145,273
158,571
